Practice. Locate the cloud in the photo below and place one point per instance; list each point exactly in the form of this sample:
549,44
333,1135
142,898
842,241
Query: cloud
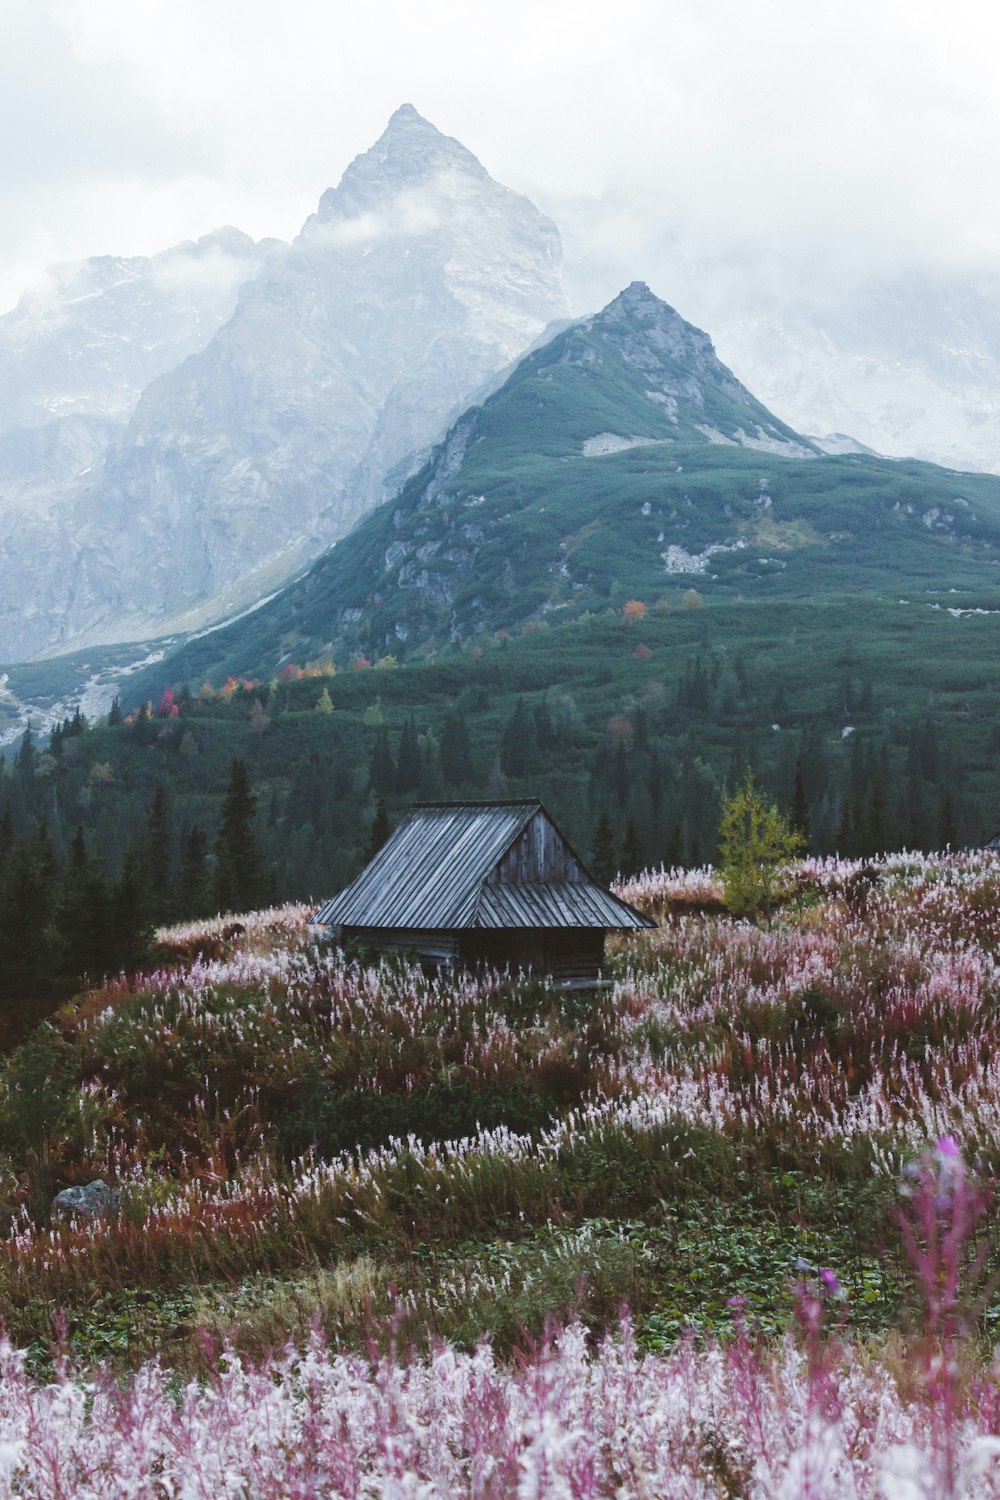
193,271
407,216
820,136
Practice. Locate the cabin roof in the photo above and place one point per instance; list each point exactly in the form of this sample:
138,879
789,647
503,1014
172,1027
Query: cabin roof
432,872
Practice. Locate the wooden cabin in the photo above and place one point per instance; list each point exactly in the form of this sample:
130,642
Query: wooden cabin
465,884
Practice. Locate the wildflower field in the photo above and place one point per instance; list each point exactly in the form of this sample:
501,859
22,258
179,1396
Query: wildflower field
377,1233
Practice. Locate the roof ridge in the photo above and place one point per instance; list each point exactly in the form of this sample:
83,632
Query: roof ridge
483,802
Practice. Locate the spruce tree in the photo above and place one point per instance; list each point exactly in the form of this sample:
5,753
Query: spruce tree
408,762
131,929
431,786
158,860
947,829
604,862
142,729
519,746
799,815
382,768
673,855
239,876
73,918
631,860
380,829
31,955
195,885
85,924
916,823
878,819
25,760
456,752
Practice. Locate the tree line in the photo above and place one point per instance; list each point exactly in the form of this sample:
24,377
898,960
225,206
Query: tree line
66,919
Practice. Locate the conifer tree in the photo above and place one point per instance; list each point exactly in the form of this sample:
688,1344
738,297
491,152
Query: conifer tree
674,852
6,834
947,828
916,826
878,819
25,760
799,814
84,922
131,928
114,713
158,860
380,829
73,915
603,861
544,728
631,860
519,746
408,762
239,877
30,960
195,885
456,751
754,843
382,768
142,729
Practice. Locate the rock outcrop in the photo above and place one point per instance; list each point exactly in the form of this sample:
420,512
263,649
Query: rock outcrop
415,283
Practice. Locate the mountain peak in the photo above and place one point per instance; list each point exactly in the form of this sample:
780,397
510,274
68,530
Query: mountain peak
228,239
637,291
407,115
637,297
409,153
644,321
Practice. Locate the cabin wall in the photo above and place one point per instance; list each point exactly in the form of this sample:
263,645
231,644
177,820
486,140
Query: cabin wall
564,953
540,854
438,947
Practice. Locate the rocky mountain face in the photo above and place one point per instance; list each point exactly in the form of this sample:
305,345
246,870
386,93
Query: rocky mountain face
909,365
78,351
75,356
418,280
620,460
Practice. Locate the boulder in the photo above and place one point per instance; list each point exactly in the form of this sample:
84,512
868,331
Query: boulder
95,1201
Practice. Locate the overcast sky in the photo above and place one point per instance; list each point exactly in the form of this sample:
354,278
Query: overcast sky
784,133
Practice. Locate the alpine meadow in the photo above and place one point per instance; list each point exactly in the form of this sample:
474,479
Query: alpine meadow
499,841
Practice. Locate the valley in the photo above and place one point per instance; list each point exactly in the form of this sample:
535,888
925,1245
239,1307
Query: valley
296,534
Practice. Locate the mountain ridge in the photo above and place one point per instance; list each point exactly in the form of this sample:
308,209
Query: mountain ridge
621,459
416,283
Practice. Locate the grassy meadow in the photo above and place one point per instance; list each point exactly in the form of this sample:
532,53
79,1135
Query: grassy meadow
374,1171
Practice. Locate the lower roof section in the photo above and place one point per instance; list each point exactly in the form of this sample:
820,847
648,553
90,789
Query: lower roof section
568,904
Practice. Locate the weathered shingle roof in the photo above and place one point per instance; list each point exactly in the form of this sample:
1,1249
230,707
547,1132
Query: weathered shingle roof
572,903
431,875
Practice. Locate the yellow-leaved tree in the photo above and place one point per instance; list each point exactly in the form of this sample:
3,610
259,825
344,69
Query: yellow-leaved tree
755,843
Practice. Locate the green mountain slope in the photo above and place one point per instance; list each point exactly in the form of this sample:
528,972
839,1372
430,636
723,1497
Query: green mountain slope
620,460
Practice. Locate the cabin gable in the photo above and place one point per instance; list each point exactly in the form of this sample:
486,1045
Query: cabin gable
539,855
